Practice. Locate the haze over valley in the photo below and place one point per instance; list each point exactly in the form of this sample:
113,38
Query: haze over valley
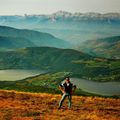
80,45
72,27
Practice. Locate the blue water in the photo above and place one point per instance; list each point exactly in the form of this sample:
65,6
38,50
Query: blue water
13,75
101,88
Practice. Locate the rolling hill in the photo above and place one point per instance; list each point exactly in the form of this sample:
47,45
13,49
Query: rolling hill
66,60
42,58
8,43
38,38
106,47
41,106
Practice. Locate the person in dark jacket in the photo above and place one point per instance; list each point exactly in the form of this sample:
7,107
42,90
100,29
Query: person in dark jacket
67,89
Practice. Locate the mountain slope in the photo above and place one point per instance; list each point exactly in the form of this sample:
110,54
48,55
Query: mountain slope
7,43
106,47
29,106
43,57
67,60
38,38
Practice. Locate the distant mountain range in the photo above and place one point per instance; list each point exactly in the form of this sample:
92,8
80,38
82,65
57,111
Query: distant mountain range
106,47
73,27
12,38
16,38
65,15
85,16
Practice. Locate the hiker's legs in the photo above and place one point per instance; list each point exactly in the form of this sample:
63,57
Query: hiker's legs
69,101
62,99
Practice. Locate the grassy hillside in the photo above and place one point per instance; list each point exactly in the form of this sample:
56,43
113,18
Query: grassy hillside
41,57
7,43
106,47
65,60
40,106
38,38
47,83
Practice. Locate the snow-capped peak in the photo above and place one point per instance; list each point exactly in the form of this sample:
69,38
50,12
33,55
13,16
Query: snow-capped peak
62,13
87,14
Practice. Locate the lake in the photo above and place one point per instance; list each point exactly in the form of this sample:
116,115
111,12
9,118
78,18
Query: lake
101,88
13,75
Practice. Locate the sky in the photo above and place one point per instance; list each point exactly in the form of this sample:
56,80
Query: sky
21,7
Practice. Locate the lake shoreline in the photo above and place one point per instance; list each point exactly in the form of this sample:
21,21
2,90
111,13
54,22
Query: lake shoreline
85,86
18,74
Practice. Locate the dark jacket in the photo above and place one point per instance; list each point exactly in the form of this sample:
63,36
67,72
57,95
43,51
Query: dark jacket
68,89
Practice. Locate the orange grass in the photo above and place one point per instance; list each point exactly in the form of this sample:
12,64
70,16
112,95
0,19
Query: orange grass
40,106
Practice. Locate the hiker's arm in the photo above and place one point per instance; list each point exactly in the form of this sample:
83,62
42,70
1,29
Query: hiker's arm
62,89
74,88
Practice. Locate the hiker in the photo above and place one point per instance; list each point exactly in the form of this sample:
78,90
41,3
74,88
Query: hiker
67,89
